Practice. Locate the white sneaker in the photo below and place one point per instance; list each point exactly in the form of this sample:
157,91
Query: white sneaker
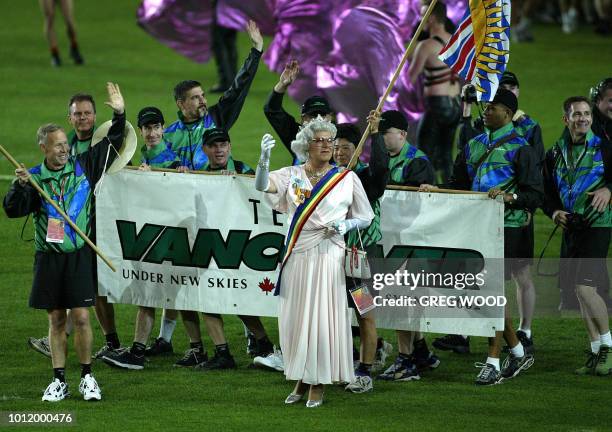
272,361
56,391
41,345
89,388
381,356
362,384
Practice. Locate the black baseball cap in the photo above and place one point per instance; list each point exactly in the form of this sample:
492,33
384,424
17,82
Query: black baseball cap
316,105
390,119
506,98
349,132
509,78
214,135
150,115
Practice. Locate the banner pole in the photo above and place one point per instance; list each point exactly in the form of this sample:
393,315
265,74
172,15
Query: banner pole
381,102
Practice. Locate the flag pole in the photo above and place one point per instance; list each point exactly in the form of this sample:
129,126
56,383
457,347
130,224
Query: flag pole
381,102
59,210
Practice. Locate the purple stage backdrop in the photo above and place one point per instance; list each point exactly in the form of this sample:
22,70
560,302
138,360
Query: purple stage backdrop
347,49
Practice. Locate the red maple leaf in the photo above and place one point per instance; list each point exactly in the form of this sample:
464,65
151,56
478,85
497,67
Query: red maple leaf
266,286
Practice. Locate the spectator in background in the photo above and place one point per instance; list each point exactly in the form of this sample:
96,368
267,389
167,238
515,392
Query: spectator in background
67,7
437,127
283,123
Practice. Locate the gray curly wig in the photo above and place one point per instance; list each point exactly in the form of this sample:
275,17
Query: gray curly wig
300,144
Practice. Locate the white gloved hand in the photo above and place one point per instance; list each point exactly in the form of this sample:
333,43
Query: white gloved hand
343,226
340,227
267,143
262,181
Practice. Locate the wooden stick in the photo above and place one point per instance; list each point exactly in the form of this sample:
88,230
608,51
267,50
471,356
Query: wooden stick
172,170
381,102
60,211
390,187
437,190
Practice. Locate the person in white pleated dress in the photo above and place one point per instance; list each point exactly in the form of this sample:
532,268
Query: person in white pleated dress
314,319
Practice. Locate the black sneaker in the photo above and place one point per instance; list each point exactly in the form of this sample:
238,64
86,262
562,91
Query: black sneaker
455,343
251,348
107,349
488,375
160,346
56,61
76,56
425,362
422,358
263,348
192,358
525,341
124,360
218,362
589,367
514,365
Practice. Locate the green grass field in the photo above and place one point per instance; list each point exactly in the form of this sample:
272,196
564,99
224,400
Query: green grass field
547,397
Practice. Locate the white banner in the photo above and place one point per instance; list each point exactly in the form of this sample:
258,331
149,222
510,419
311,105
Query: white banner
211,243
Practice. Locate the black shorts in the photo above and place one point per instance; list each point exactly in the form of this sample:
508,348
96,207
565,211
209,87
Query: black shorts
583,256
63,280
518,249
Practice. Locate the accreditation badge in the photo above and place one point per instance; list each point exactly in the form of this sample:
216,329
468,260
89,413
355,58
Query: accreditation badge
55,230
362,298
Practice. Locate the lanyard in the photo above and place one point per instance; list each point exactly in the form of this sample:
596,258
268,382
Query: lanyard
62,189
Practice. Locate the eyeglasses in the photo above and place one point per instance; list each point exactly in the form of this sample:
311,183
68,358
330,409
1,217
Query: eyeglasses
327,142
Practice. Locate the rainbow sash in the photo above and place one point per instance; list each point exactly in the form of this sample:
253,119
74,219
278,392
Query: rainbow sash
303,212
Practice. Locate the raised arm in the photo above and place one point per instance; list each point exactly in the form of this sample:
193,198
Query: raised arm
226,111
101,155
283,123
262,181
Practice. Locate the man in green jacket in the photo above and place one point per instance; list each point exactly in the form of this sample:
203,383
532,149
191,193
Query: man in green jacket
64,265
578,185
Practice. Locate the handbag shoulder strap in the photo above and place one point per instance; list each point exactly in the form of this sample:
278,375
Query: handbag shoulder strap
498,144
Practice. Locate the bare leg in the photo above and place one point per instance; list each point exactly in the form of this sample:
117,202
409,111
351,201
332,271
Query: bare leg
192,325
69,325
590,325
214,327
145,318
595,307
67,8
254,325
316,392
525,296
105,312
368,338
405,341
495,345
48,9
300,388
57,337
82,334
509,334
